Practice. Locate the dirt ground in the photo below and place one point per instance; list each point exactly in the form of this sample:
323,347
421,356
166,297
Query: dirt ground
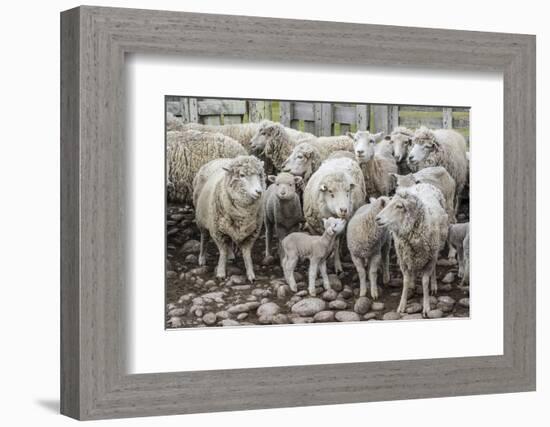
195,298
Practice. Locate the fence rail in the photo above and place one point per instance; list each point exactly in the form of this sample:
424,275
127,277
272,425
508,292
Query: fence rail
318,118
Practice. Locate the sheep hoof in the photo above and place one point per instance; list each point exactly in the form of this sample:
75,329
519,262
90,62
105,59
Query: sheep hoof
312,292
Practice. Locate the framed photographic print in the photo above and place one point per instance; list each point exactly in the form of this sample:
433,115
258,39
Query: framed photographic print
292,213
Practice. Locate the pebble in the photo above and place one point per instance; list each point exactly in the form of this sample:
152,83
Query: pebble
308,306
435,314
324,316
191,259
234,271
445,288
199,270
283,291
412,316
269,260
280,319
269,309
299,319
449,277
464,302
253,305
241,287
177,312
445,308
377,306
298,276
338,304
230,322
335,282
446,262
171,274
236,280
191,246
413,308
345,294
209,319
265,320
171,306
329,295
239,308
446,300
223,315
241,316
264,300
198,312
302,293
370,316
391,315
347,316
257,292
175,322
362,305
172,231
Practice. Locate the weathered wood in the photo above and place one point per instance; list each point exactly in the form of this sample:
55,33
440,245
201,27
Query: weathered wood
323,119
393,117
230,120
259,110
362,116
413,122
173,107
193,111
303,111
184,107
447,118
211,120
213,107
309,126
381,118
285,112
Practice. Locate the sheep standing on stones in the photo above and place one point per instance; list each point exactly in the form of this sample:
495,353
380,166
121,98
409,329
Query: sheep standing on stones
336,189
442,147
457,235
438,177
282,207
419,225
187,152
228,205
299,246
401,141
369,245
376,162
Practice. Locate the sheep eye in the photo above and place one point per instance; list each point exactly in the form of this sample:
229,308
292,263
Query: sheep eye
242,175
300,157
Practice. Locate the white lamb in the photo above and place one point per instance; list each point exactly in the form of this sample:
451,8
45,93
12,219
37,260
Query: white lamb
300,246
418,221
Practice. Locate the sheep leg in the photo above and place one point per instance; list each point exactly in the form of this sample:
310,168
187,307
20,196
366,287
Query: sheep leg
323,268
268,236
373,275
247,257
434,282
426,293
386,262
313,267
460,253
408,282
359,265
202,252
222,260
289,264
337,262
452,252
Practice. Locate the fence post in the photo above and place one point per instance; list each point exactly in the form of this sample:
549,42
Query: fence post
323,119
259,110
394,117
184,107
193,111
447,118
362,117
381,120
284,112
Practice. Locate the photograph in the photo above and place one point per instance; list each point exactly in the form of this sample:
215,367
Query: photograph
282,212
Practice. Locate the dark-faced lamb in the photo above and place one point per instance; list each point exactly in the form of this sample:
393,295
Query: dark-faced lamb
299,246
369,245
228,205
418,222
282,207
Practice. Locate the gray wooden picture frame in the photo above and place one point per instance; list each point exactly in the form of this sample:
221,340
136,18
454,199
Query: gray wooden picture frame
94,41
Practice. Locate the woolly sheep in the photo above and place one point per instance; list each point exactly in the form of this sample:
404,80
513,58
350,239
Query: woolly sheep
369,245
442,147
401,140
282,207
456,237
228,205
417,220
187,152
172,122
376,162
299,246
466,255
336,189
437,176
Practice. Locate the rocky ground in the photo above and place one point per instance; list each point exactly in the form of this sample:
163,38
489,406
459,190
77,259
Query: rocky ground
194,297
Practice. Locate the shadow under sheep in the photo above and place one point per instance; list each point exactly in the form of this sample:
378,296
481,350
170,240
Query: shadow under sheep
195,298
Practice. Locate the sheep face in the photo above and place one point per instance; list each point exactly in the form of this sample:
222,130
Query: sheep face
285,185
336,196
364,143
300,160
401,145
246,179
334,226
267,132
424,143
394,213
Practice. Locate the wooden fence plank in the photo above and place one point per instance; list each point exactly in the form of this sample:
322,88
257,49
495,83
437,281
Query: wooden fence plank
381,120
303,111
447,118
230,120
393,118
326,119
344,114
214,107
362,116
212,120
193,111
285,112
184,107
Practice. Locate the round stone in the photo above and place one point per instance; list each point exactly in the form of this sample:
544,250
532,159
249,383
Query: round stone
446,300
370,316
269,309
362,305
414,307
308,306
435,314
391,315
299,320
324,316
347,316
335,282
464,302
230,322
329,295
240,316
449,277
280,319
209,318
191,246
176,312
338,304
191,259
283,291
377,306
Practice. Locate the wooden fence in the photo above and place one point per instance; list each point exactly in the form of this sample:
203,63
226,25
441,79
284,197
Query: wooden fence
317,117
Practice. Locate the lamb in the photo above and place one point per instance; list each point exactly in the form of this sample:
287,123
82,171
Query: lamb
299,246
456,237
369,245
418,222
376,162
442,147
438,177
282,207
228,205
401,140
187,152
336,189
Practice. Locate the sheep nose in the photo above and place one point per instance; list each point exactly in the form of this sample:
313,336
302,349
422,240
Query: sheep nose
359,152
259,191
343,211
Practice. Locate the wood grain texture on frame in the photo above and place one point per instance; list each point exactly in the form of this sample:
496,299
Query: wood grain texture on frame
94,270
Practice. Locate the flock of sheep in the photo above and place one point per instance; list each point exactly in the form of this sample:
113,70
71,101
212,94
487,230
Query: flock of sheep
372,191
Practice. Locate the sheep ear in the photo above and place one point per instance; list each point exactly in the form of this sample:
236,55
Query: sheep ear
350,134
271,178
225,168
323,187
378,136
324,222
352,186
372,199
298,180
387,137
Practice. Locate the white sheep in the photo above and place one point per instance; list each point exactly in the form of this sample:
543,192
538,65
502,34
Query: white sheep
282,207
336,189
442,147
456,237
369,245
419,225
376,162
437,176
299,246
401,141
228,205
187,152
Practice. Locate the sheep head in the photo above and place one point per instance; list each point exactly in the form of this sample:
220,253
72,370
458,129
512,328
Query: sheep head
267,131
303,161
285,185
335,191
245,178
334,226
401,140
424,143
364,143
397,210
